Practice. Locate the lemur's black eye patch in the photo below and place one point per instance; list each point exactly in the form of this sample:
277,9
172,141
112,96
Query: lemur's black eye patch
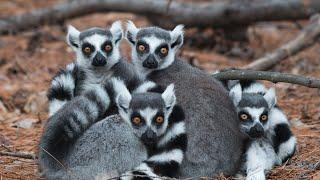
158,119
264,116
162,50
137,120
107,47
142,47
87,48
244,116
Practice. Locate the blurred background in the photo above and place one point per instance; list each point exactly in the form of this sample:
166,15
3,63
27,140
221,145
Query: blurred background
30,58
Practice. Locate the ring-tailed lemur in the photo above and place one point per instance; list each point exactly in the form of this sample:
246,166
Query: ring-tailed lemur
272,141
215,142
159,123
97,60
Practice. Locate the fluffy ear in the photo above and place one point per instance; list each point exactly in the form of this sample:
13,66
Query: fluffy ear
116,31
270,97
73,37
177,37
236,94
131,33
169,97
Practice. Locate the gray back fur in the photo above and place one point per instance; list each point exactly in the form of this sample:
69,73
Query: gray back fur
214,140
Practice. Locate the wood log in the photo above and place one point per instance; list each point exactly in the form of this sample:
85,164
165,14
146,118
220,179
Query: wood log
213,14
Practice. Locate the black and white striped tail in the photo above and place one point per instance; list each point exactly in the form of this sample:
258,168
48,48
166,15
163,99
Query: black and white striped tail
85,111
61,89
70,121
166,158
283,140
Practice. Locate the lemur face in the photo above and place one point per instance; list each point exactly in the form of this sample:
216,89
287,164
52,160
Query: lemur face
96,47
147,113
253,110
153,48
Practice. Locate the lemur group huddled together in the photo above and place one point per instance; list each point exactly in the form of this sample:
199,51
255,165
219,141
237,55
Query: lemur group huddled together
155,116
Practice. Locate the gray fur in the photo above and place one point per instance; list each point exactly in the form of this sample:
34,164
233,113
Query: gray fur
214,140
110,140
252,100
141,101
154,31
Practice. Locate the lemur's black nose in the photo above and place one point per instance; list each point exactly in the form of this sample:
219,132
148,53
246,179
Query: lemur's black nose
256,131
150,62
149,137
99,60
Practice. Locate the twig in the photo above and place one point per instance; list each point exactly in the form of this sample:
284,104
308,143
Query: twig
306,38
6,147
18,154
212,14
275,77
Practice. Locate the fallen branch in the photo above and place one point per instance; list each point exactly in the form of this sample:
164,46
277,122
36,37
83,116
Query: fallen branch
213,14
18,154
275,77
306,38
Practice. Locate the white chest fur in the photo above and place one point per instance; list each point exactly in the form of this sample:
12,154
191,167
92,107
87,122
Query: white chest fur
95,77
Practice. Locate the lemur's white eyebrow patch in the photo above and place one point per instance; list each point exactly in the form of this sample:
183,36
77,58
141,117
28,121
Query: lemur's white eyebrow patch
148,114
153,42
96,40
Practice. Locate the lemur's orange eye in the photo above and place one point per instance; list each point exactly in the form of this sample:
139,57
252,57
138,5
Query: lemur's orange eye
87,50
108,48
136,120
164,50
141,48
244,117
264,117
159,120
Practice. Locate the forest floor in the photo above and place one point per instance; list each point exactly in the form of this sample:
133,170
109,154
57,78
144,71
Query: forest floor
28,60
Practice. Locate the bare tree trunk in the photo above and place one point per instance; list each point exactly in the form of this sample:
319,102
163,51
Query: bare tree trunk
275,77
215,14
306,38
